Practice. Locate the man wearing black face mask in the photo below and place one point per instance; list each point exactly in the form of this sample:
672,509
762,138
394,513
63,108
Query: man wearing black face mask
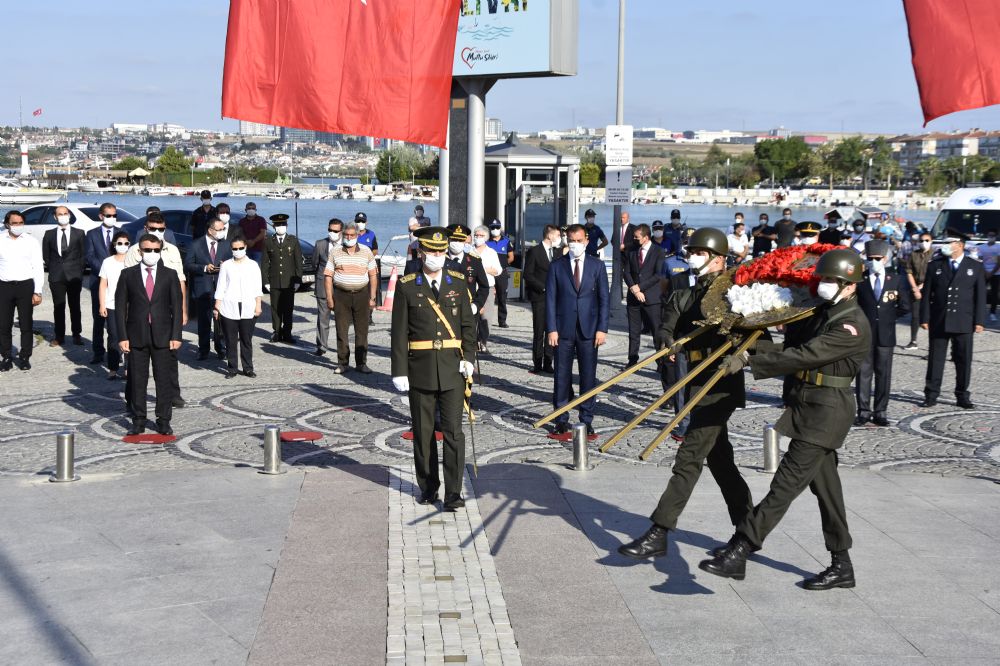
916,273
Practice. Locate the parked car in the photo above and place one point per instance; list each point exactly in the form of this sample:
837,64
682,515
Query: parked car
39,219
179,222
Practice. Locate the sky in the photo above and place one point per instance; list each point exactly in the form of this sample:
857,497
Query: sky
723,64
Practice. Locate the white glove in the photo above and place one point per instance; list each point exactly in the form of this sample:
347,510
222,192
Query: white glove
402,384
474,309
466,369
268,287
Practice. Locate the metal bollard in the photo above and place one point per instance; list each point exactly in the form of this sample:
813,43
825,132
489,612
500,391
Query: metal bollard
272,450
581,455
771,451
65,443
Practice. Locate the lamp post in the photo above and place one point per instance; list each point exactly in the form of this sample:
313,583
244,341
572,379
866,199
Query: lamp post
727,173
616,264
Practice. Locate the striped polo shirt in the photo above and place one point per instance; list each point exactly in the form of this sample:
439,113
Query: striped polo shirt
350,271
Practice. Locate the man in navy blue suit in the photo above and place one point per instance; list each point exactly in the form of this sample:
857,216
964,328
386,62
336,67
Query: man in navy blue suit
97,248
204,258
576,320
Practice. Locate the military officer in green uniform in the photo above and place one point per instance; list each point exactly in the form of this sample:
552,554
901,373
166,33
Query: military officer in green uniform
281,270
433,351
707,436
832,345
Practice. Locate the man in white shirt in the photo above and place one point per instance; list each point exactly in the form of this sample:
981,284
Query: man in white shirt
21,278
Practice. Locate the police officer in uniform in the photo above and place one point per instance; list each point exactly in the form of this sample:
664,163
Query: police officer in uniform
883,295
676,277
834,343
707,437
952,308
501,244
433,352
281,270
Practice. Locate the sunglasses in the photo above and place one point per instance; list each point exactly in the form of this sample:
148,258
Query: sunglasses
150,250
156,228
121,244
237,249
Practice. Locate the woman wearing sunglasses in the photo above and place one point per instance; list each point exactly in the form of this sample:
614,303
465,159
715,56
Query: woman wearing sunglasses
237,305
111,269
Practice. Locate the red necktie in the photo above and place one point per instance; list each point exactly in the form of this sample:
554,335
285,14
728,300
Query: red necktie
211,252
149,290
642,256
577,277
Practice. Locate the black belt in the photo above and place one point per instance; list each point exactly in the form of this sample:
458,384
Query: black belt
817,378
351,291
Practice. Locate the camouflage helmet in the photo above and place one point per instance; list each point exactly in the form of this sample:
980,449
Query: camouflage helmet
843,264
708,238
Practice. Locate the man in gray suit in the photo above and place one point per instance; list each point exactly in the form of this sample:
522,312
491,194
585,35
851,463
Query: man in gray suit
321,254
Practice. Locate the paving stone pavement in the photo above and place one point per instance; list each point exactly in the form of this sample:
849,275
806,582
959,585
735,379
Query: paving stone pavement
361,417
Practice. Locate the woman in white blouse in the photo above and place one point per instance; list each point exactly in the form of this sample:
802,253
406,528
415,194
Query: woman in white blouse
491,264
237,305
111,269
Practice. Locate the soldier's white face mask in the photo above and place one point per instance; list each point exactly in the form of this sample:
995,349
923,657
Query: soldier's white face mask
697,262
434,262
809,240
280,230
456,247
827,290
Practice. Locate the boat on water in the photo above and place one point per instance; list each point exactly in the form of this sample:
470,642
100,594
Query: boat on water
13,193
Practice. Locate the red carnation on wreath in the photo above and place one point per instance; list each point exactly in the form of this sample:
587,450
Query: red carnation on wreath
786,266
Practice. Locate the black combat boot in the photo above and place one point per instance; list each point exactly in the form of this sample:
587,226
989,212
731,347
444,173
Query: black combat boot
732,562
840,573
651,544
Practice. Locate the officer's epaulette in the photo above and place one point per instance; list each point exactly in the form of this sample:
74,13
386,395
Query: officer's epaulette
456,274
408,278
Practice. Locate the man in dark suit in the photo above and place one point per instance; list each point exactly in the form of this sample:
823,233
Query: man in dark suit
281,270
536,271
201,215
576,319
643,268
97,248
202,263
321,255
883,296
952,308
149,307
63,254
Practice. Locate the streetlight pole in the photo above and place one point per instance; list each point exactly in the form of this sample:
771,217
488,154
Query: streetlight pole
964,161
727,173
616,239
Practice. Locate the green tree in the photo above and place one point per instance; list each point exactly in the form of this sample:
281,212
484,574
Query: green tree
264,174
849,157
594,157
130,164
404,162
784,158
590,174
172,161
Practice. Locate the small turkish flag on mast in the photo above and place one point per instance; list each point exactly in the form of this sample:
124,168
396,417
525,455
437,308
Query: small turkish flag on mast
956,53
367,67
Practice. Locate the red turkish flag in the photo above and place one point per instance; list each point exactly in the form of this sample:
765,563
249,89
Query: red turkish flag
366,67
956,53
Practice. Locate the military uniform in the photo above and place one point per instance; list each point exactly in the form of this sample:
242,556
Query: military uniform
835,342
281,269
707,435
424,350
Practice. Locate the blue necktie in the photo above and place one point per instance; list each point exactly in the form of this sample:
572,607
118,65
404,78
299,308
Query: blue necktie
878,287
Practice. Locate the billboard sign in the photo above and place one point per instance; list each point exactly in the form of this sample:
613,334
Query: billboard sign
516,38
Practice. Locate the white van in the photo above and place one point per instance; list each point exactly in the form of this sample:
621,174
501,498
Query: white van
971,211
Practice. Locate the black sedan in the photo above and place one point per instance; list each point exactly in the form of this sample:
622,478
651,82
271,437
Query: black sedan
179,224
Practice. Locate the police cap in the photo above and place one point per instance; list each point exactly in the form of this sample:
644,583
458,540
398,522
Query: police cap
360,217
840,264
657,224
675,214
590,213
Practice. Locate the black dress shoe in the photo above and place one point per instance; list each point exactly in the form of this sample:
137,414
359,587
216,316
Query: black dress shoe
548,369
927,403
503,325
78,340
881,421
537,370
178,402
561,429
860,420
964,404
202,356
250,373
428,498
22,363
651,544
319,351
6,364
453,502
97,359
590,431
137,428
838,574
364,369
221,354
732,561
163,427
230,373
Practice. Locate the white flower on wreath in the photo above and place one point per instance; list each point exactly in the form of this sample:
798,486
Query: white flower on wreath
758,297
